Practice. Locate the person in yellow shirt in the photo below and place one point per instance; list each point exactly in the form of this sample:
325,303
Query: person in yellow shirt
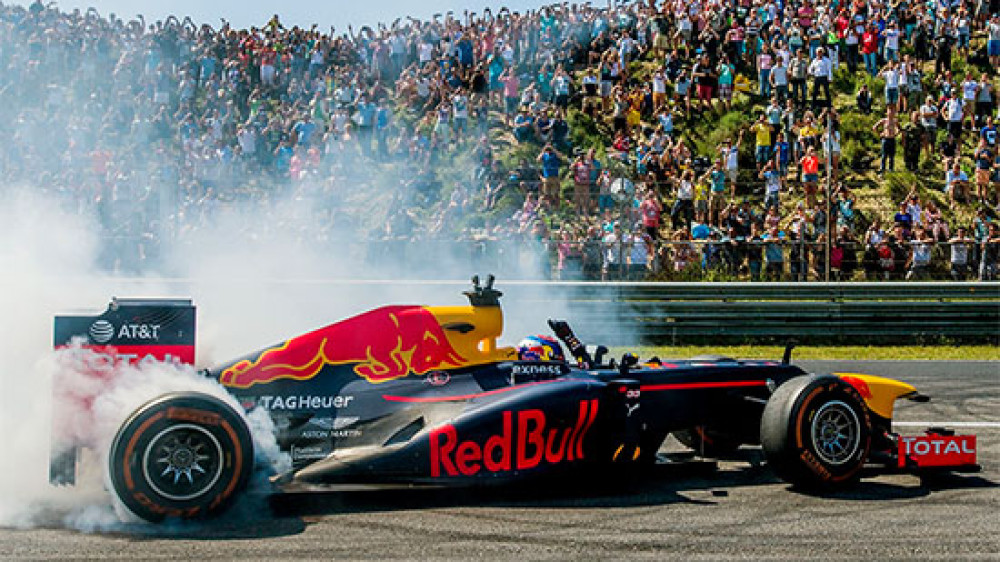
763,131
701,200
808,133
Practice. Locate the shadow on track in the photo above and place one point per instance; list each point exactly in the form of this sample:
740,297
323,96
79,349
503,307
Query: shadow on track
694,483
660,485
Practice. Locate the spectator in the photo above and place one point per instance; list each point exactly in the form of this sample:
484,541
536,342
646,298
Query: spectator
525,128
843,255
731,153
798,70
887,129
912,141
592,254
863,99
580,170
928,121
891,75
511,92
943,46
845,209
989,133
570,257
956,181
683,209
959,259
640,247
772,187
869,49
934,220
779,79
651,209
726,74
550,159
904,220
703,75
984,159
993,40
920,255
682,250
914,85
782,155
952,112
948,149
821,70
774,255
614,254
990,254
716,179
763,136
809,164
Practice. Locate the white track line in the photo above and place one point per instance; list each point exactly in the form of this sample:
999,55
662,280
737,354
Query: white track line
969,424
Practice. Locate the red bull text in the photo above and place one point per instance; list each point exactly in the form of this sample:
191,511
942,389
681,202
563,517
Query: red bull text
384,344
522,447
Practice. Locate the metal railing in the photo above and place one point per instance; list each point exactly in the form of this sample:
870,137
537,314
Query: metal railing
862,313
627,313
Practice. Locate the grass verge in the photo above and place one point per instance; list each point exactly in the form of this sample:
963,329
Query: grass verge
935,353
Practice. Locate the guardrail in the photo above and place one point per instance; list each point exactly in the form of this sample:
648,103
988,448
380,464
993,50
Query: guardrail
862,313
622,313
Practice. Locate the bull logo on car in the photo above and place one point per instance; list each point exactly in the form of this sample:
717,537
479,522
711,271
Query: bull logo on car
384,344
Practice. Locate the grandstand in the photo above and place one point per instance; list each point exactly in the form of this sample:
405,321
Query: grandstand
677,140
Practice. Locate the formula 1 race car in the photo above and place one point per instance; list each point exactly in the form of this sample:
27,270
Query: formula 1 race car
420,395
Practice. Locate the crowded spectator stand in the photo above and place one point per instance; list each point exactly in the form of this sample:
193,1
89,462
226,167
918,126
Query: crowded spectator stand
642,140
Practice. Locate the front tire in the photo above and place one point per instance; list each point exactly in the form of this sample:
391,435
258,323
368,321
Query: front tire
183,455
816,432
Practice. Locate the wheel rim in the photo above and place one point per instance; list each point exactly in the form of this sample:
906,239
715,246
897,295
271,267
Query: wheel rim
836,432
182,462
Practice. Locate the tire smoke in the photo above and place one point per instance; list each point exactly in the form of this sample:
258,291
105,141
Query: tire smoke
252,290
90,401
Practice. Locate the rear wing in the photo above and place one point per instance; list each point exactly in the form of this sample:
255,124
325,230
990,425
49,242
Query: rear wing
129,331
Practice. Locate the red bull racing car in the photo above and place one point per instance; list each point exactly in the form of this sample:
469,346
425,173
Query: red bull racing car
421,395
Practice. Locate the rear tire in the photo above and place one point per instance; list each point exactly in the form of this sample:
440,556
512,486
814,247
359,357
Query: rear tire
816,432
183,455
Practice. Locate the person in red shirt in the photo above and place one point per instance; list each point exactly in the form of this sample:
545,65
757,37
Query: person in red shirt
651,209
809,164
806,14
869,48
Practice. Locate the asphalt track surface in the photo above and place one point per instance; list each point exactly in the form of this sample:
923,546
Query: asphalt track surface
735,512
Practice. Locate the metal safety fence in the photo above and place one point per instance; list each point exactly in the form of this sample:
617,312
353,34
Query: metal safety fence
861,313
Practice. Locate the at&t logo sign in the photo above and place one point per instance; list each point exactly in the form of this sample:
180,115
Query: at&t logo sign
101,331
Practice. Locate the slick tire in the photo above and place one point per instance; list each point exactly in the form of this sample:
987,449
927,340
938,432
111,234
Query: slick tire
184,455
816,432
707,442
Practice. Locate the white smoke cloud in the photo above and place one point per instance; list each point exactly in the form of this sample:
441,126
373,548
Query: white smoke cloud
253,286
87,408
49,258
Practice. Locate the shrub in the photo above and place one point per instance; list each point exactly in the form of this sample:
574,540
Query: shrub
898,184
584,131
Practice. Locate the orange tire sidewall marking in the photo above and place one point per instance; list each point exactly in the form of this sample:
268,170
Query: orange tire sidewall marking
129,482
237,458
798,430
237,464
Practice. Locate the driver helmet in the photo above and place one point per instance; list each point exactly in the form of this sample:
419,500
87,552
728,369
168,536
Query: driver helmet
540,348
